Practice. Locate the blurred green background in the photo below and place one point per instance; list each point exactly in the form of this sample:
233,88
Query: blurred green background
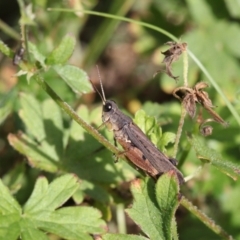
128,56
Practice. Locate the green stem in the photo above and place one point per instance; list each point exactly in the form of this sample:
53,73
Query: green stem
121,220
200,65
205,219
185,68
118,18
9,31
216,86
183,110
92,131
179,131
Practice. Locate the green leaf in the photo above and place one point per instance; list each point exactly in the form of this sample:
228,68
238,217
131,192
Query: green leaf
31,114
49,197
149,126
208,155
70,222
9,226
233,9
6,105
10,212
47,128
5,49
166,138
159,207
31,233
15,177
53,126
95,191
200,9
39,213
36,153
111,236
139,119
8,205
76,78
167,190
36,54
145,210
62,52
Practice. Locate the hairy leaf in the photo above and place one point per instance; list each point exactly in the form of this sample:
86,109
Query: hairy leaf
208,155
62,52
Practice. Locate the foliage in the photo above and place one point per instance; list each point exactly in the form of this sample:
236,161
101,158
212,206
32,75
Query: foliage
39,143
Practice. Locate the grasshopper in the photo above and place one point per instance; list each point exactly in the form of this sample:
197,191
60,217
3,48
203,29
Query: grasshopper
138,149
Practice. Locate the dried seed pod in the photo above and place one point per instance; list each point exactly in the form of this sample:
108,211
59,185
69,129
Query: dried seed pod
197,95
206,130
172,55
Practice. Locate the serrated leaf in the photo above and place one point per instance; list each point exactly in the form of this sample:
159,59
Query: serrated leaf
166,138
76,78
39,213
139,119
8,205
10,214
31,114
145,211
71,222
62,52
36,154
49,197
6,105
44,122
9,226
208,155
53,125
159,208
149,126
111,236
167,190
31,233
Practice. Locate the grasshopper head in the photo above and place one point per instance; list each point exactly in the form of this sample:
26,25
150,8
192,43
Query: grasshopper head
108,111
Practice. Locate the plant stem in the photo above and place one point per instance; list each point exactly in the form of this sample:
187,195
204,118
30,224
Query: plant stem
92,131
216,86
200,65
119,18
183,110
121,221
9,31
179,131
205,219
185,68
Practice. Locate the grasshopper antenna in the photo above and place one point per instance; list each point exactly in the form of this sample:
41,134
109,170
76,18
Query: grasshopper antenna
102,95
100,80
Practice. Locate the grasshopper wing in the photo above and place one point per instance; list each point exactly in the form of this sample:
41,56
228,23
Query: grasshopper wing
156,158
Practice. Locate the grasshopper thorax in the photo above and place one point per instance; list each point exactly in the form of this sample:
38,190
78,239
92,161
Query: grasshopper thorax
113,117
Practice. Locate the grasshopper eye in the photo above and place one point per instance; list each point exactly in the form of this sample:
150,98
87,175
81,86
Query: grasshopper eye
107,107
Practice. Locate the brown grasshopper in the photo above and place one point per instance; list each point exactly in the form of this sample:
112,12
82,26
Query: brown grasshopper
138,149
